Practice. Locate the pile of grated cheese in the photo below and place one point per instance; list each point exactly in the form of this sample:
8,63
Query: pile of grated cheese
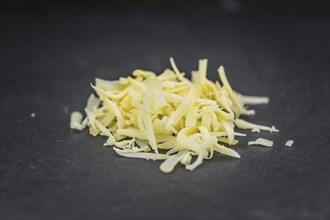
169,117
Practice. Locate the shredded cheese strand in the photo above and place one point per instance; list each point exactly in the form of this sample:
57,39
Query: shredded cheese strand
262,142
289,143
240,123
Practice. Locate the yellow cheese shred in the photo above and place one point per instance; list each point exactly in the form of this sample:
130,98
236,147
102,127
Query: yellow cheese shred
75,123
168,165
289,143
169,117
262,142
240,123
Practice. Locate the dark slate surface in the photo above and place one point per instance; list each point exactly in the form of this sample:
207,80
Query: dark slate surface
50,54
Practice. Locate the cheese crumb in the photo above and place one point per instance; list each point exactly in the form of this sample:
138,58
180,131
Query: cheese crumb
289,143
33,115
255,130
262,142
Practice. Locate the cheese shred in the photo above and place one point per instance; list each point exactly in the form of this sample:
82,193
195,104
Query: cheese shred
169,117
289,143
262,142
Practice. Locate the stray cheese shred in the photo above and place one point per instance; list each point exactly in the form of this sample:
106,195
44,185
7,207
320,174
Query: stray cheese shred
289,143
262,142
169,117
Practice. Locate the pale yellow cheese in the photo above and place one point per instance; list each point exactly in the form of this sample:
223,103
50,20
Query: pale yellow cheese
142,155
169,117
168,165
75,122
240,123
289,143
262,142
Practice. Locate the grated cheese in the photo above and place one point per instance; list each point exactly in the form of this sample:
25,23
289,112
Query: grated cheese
75,122
240,123
289,143
262,142
169,117
252,100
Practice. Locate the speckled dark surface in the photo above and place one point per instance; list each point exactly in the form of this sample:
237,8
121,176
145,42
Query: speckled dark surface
49,55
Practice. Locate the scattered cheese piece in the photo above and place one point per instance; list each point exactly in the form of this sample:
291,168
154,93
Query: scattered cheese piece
262,142
240,123
168,165
33,115
147,156
75,122
289,143
168,117
252,100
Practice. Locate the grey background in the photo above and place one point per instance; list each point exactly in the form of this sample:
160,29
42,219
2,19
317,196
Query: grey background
51,52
